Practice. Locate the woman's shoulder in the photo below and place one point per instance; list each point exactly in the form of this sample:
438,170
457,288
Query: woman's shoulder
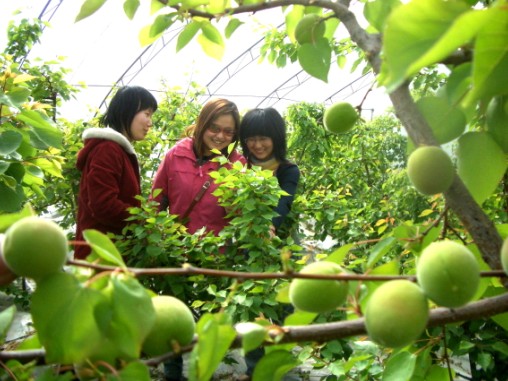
288,167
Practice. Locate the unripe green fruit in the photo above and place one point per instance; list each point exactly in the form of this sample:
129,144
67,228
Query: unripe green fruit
173,323
430,170
448,273
6,275
504,255
35,247
340,117
318,295
396,313
309,28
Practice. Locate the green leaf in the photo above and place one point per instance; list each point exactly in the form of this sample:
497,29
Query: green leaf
135,371
446,121
481,164
463,29
160,24
88,8
380,249
211,40
300,318
252,334
63,315
11,198
102,245
490,61
400,367
43,128
215,338
339,254
376,12
6,319
411,31
274,365
130,7
187,34
233,24
9,141
315,58
128,317
16,96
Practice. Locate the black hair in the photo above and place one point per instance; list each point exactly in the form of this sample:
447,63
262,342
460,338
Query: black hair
264,122
127,102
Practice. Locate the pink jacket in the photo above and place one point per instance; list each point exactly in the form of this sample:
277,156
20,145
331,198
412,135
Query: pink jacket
180,178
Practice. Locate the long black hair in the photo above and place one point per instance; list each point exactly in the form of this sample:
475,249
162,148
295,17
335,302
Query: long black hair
127,102
264,122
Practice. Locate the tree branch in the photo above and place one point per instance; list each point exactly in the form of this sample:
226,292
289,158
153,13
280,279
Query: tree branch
338,330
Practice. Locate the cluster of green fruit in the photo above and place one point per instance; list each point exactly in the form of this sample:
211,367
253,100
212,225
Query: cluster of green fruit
109,319
397,311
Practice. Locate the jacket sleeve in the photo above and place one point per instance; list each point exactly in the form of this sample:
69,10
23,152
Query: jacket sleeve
288,181
161,181
104,179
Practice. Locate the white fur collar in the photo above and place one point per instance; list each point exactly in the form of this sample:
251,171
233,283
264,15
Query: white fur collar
109,134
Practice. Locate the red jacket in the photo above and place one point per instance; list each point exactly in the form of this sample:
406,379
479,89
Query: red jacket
109,183
180,178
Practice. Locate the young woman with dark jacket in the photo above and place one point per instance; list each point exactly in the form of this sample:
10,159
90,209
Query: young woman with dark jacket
263,140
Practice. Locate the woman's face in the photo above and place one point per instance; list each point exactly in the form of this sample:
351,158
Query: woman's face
261,147
220,134
141,125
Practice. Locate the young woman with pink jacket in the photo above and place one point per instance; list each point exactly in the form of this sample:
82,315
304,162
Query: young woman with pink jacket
183,175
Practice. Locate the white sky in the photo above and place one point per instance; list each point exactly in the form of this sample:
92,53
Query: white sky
100,49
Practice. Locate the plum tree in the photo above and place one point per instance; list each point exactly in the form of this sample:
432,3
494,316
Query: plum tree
174,322
318,295
430,170
340,117
396,313
448,273
309,28
35,247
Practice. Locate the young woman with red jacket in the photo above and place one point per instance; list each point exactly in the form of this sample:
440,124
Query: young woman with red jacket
109,166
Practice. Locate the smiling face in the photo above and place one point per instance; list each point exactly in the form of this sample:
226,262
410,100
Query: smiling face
220,133
261,147
141,125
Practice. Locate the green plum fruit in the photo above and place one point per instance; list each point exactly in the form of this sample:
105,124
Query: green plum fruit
504,255
174,323
6,275
35,247
340,117
497,121
309,28
396,313
318,295
448,273
430,170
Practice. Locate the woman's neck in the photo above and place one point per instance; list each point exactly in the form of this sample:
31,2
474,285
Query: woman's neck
271,163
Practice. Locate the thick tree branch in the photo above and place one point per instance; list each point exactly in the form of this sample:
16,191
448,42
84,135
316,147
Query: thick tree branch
481,309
